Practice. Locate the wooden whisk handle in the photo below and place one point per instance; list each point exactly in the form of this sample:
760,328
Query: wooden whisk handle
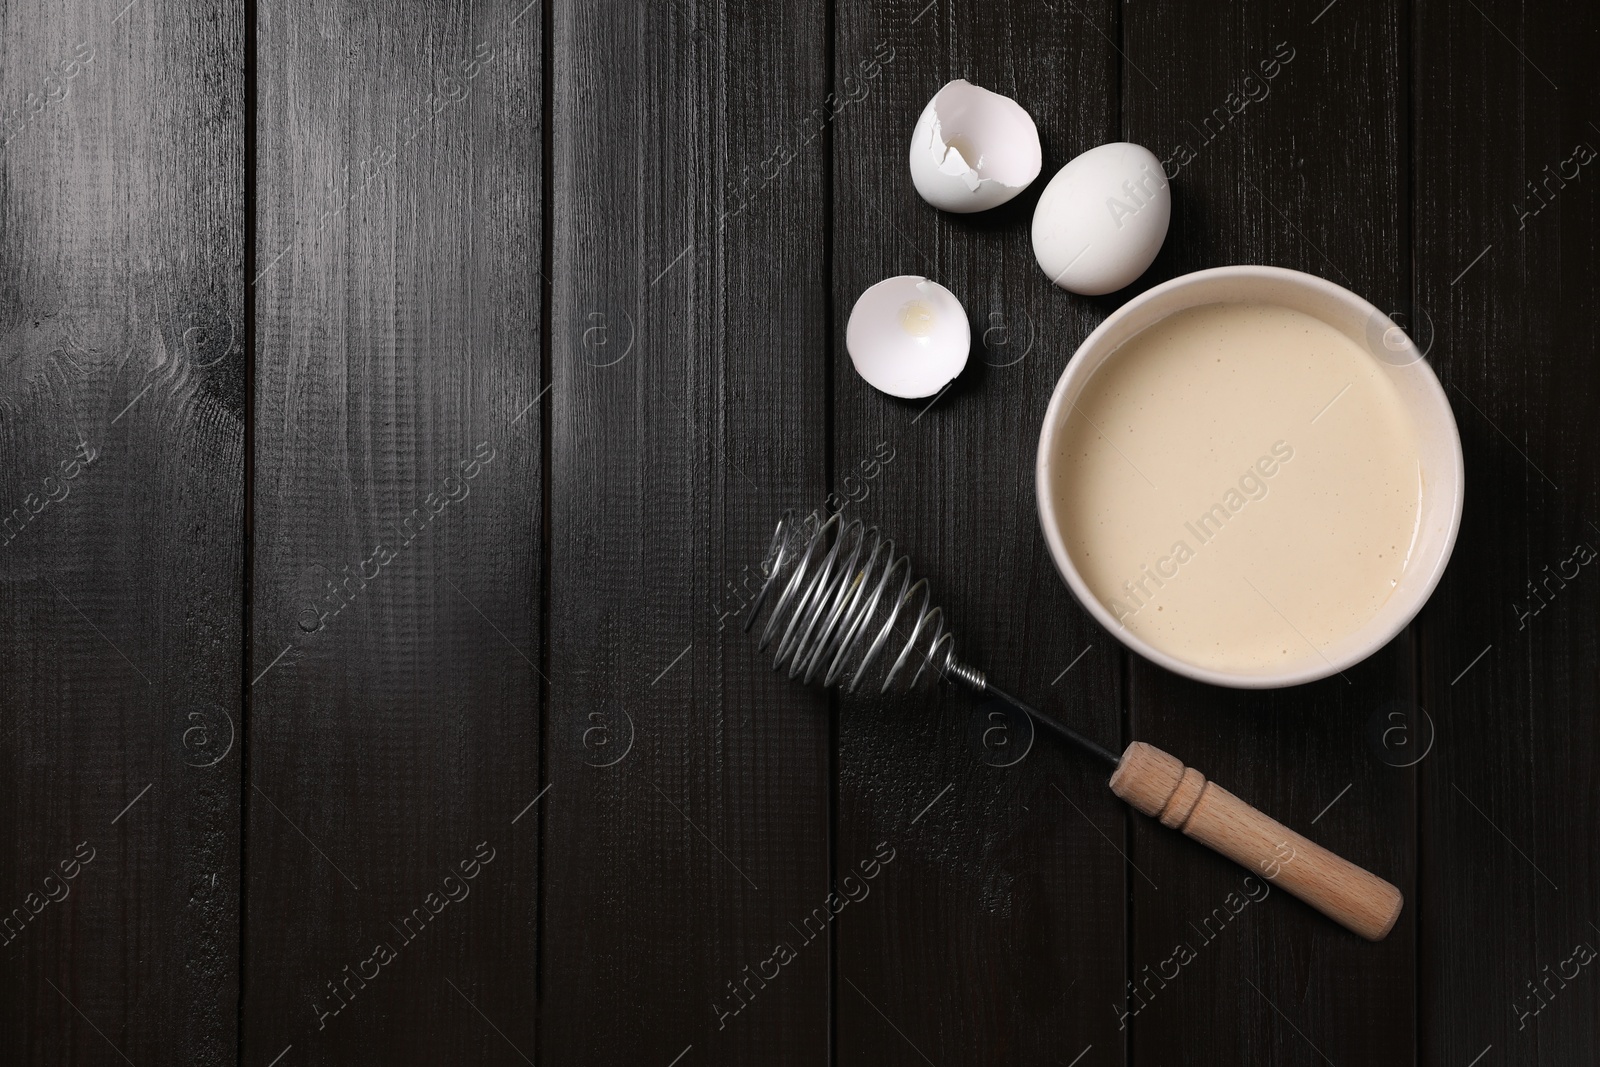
1159,785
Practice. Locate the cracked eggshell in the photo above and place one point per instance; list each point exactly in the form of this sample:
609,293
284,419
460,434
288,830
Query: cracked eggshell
1102,219
973,149
908,336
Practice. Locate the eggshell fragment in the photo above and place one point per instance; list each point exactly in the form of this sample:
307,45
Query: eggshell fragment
1102,219
973,149
908,336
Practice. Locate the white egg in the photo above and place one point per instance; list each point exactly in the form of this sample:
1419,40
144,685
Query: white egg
973,149
908,337
1102,218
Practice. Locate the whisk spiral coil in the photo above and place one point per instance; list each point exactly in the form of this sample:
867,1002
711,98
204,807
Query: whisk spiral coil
841,599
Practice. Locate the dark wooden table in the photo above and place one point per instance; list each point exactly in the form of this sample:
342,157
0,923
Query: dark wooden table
396,399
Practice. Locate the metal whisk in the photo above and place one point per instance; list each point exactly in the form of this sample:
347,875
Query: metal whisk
845,589
841,602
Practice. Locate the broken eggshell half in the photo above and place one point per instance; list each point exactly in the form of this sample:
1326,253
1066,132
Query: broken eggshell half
973,149
908,336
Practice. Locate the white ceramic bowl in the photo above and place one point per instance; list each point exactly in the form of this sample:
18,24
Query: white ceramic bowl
1444,479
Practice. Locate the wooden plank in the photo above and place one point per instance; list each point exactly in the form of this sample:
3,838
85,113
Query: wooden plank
1506,266
689,390
996,934
121,505
394,739
1284,132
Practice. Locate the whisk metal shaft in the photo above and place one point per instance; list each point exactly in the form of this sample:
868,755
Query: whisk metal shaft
840,599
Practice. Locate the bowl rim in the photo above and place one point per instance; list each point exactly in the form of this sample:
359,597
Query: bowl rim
1375,636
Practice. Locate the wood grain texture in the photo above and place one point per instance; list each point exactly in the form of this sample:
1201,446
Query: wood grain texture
548,313
688,398
121,551
1508,275
996,934
1302,166
394,730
